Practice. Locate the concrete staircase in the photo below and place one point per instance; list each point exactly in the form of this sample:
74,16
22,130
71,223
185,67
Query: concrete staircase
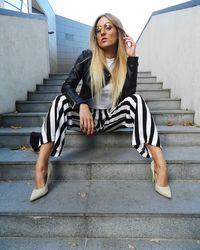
101,196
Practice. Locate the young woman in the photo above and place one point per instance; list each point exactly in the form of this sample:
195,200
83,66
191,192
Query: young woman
106,101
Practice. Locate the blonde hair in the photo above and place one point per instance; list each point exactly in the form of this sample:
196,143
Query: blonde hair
118,74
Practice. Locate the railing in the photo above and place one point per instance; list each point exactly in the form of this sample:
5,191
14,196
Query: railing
18,5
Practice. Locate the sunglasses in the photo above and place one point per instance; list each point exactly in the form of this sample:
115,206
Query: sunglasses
106,26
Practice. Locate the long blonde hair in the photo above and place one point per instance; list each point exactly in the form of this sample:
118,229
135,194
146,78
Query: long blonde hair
98,64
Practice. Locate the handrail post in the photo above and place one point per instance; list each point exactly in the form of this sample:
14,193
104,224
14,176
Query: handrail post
29,2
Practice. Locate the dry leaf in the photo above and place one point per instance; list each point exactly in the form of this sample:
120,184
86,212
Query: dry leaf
19,148
82,194
170,124
155,240
198,241
188,123
16,127
132,247
72,244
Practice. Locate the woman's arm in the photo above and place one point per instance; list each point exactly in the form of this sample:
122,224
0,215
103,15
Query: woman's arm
69,86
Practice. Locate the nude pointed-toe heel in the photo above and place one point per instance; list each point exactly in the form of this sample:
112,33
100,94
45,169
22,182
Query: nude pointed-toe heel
165,191
40,192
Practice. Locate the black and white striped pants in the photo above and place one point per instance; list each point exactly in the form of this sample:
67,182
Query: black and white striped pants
132,112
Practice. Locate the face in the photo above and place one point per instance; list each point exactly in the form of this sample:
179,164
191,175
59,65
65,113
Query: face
106,34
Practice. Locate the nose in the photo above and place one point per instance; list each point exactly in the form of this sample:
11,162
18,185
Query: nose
102,32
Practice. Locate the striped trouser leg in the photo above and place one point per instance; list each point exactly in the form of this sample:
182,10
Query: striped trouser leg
59,117
133,112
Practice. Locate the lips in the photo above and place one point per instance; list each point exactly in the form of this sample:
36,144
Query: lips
104,39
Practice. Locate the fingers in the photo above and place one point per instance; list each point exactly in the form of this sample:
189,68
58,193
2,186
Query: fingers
86,120
130,45
129,41
87,125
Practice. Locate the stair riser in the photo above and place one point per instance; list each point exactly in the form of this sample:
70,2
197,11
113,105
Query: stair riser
97,171
37,120
146,95
101,226
44,107
64,76
53,82
58,76
140,87
111,140
146,79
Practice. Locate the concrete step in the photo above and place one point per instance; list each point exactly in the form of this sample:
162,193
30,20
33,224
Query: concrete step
97,244
140,80
43,106
57,86
101,209
161,117
64,75
169,136
50,95
52,81
58,76
100,164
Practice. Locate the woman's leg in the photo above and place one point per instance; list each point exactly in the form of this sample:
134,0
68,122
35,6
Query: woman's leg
42,164
52,136
133,112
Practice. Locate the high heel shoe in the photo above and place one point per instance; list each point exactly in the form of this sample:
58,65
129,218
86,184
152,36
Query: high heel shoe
40,192
165,191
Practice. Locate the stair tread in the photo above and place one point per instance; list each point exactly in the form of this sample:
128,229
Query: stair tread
152,99
102,197
161,129
59,84
97,243
100,155
57,92
164,111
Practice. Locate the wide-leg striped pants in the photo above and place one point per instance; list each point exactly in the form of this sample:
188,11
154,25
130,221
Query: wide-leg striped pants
132,112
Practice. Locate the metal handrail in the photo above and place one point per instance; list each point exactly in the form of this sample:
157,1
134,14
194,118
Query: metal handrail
13,5
28,5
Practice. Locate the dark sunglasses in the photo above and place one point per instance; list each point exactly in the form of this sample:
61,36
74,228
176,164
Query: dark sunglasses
106,26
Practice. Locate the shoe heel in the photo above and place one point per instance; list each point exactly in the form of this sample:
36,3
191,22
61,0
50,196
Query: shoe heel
49,174
152,170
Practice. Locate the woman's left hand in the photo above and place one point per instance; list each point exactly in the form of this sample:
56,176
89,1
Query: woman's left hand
130,45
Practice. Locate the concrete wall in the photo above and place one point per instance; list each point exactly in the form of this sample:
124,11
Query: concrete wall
24,55
169,46
51,18
72,38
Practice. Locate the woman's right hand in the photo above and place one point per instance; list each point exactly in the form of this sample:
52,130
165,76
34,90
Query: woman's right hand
86,120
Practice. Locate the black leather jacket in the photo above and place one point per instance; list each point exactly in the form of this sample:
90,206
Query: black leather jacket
80,71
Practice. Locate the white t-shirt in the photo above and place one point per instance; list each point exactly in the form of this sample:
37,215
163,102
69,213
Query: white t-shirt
104,101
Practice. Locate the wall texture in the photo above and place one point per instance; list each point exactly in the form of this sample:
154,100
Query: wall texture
170,47
24,55
72,38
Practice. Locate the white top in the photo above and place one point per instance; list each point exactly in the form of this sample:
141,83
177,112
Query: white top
104,101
